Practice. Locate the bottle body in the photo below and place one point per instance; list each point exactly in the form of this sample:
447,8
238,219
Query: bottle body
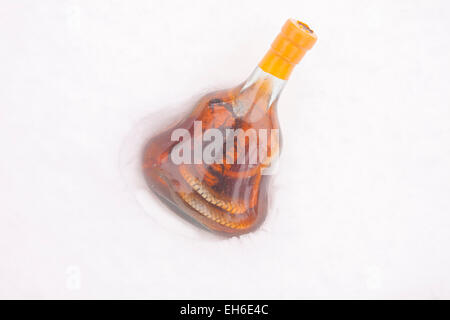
218,179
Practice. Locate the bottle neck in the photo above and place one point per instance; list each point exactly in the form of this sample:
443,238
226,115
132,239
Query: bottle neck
261,91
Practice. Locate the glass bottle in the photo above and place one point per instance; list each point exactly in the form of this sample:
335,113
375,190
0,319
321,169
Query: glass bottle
212,166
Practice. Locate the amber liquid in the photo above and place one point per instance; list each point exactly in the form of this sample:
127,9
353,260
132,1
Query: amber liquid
229,198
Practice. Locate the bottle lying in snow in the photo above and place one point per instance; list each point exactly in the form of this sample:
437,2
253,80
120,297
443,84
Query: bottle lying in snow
211,165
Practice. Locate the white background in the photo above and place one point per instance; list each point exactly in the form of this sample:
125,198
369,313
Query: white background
362,198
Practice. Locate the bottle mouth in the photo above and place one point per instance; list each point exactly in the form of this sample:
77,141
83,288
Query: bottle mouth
300,33
304,26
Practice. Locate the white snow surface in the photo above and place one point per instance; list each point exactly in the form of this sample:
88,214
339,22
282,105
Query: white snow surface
361,202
